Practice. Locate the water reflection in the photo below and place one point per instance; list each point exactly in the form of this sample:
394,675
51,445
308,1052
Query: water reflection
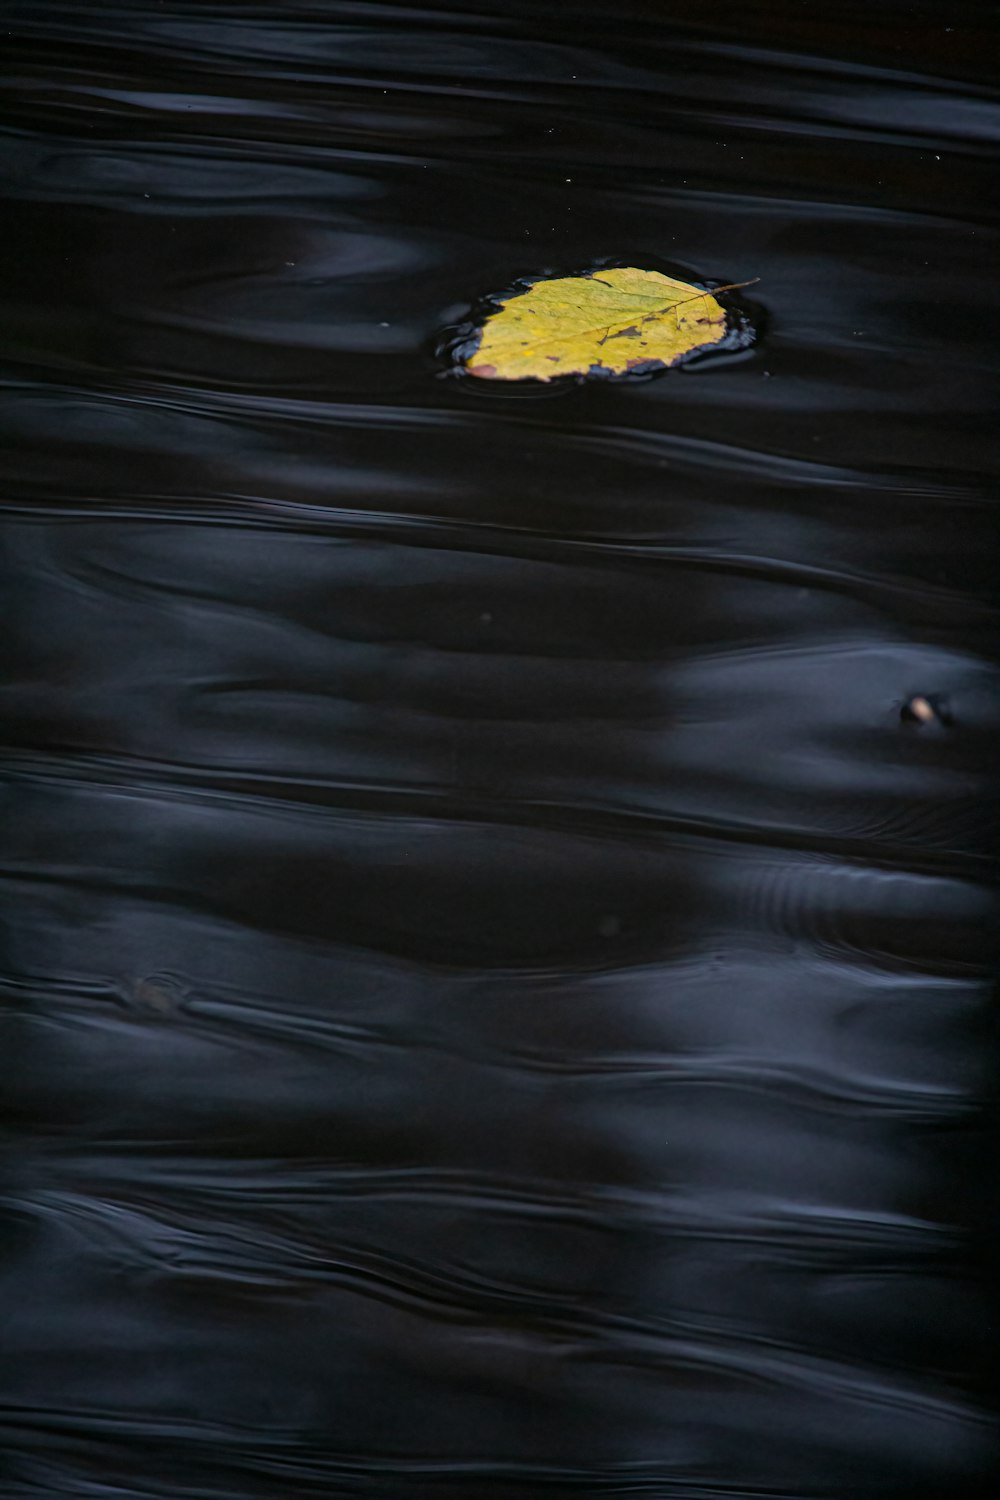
495,975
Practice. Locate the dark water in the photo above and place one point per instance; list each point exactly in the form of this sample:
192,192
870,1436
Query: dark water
496,995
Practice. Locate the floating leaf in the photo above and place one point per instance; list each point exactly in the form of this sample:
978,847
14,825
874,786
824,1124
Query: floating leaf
609,323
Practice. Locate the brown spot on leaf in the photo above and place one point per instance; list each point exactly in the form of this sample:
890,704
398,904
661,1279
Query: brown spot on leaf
486,371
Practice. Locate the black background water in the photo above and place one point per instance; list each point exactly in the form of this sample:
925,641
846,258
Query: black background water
496,999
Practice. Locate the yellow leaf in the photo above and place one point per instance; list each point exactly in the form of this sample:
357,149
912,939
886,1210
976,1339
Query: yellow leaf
609,323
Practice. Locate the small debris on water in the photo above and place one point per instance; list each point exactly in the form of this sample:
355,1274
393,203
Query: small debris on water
921,710
157,994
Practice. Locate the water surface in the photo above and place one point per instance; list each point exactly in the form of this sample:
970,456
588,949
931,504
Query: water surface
496,992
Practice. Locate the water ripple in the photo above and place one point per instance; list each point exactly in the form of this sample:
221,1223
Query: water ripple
495,979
